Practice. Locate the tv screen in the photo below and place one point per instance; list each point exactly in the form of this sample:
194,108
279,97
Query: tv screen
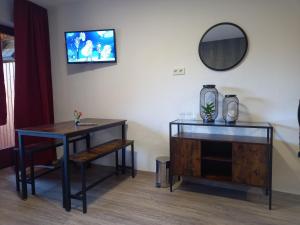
93,46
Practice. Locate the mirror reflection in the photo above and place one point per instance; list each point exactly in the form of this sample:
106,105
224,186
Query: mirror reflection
223,46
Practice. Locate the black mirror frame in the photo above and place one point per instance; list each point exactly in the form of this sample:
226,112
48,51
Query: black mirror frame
243,56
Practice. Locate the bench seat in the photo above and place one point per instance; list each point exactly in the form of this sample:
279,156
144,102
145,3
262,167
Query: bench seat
100,151
85,157
41,146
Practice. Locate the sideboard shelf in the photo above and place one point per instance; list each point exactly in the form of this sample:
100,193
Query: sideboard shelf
223,137
217,159
230,158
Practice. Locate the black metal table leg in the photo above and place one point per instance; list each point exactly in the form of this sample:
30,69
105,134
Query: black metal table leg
117,162
88,141
123,149
270,200
270,181
66,175
83,187
22,166
270,167
63,182
88,146
170,167
171,181
32,176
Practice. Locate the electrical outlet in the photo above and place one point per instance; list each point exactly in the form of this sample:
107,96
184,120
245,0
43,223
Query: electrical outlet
179,71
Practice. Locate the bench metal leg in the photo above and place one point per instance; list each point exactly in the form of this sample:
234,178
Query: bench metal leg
123,160
88,146
132,161
117,162
32,179
74,147
83,188
17,172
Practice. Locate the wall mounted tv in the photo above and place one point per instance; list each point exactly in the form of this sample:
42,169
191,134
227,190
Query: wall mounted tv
92,46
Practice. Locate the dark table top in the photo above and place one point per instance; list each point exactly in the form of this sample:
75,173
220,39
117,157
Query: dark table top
68,128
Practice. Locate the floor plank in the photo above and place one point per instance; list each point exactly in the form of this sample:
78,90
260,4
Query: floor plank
123,200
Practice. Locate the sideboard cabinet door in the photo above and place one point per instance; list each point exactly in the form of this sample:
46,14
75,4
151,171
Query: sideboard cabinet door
186,157
249,164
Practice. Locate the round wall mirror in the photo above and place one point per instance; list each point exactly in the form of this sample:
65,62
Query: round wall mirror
223,46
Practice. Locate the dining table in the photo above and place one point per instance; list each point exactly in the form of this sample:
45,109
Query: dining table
64,131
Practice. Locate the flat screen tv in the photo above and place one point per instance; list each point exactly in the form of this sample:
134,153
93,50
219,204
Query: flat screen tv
92,46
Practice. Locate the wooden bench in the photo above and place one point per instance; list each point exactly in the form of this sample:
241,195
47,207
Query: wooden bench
32,149
85,157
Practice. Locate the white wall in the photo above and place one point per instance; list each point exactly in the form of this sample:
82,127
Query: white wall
153,38
6,12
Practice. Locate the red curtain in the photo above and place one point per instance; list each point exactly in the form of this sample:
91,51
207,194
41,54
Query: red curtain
3,112
33,85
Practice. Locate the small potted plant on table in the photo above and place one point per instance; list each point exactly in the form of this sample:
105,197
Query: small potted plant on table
77,116
208,112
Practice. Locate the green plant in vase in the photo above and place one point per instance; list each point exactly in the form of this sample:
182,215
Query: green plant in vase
208,111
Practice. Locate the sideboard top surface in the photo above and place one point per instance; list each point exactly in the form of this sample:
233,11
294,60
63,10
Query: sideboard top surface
240,124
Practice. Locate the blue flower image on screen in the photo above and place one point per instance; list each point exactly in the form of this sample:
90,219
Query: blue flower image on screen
90,46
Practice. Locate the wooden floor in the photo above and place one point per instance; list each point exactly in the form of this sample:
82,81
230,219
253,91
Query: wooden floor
123,200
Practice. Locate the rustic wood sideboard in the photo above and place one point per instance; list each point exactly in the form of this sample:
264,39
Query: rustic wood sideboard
225,157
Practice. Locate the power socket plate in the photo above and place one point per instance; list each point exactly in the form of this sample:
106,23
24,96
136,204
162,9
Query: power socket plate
179,71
